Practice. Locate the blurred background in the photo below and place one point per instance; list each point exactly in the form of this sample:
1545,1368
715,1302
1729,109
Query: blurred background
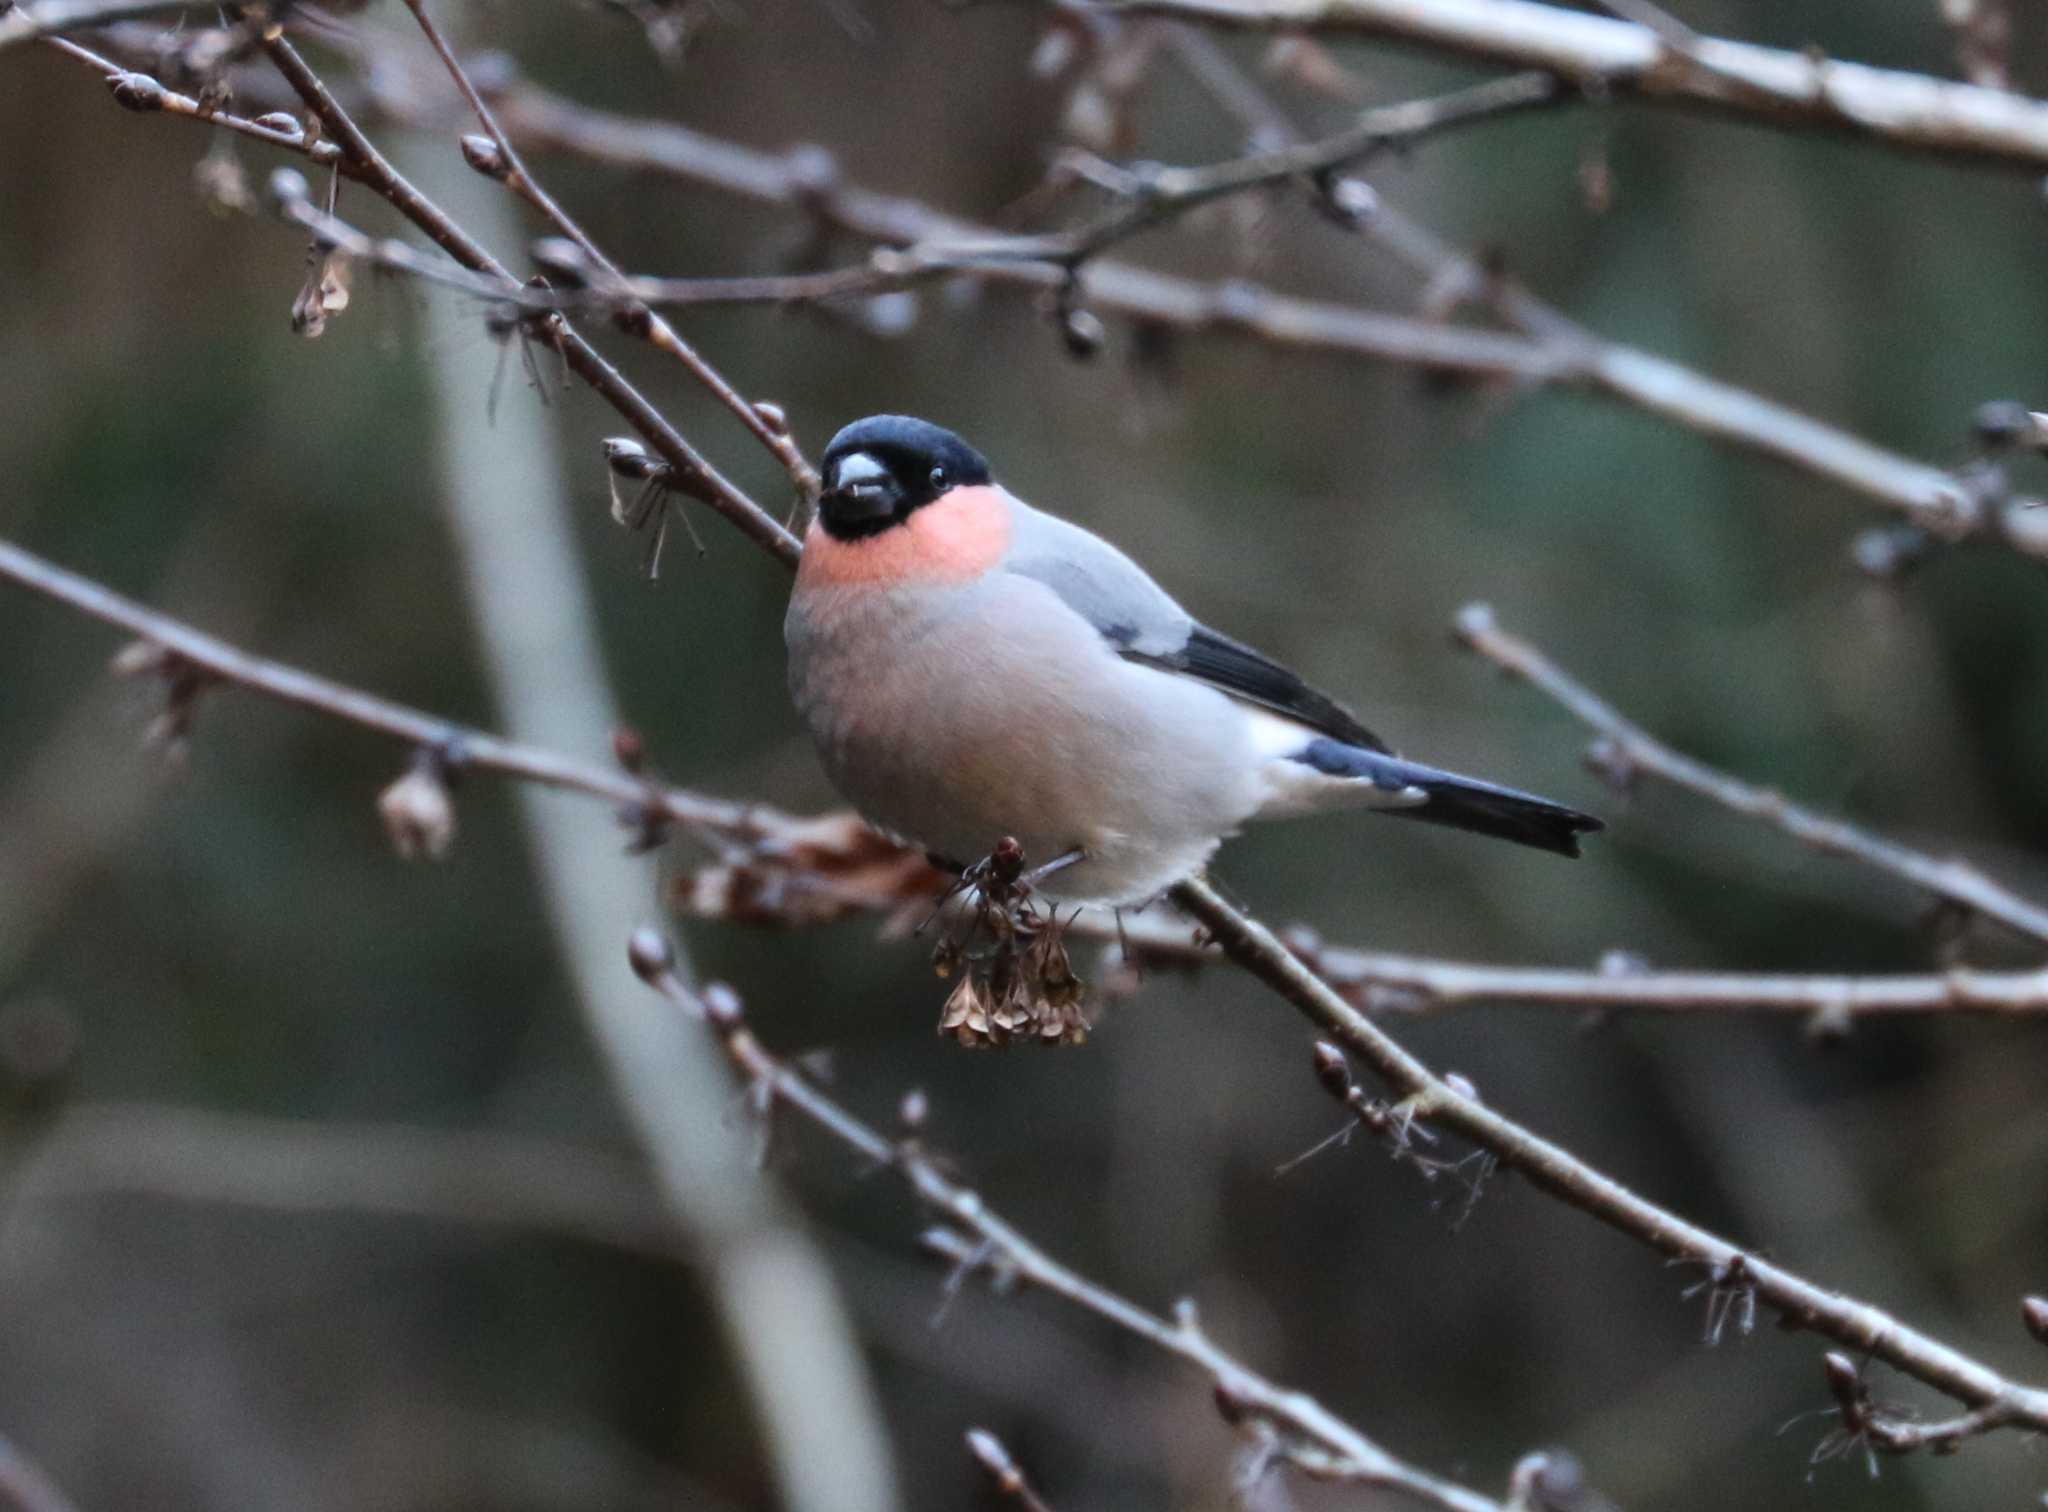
317,1190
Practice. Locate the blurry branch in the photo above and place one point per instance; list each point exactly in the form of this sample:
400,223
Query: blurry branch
502,162
27,20
1624,752
921,243
780,1308
25,1487
693,474
1002,1470
293,1165
1292,1425
1983,35
1790,89
1424,1098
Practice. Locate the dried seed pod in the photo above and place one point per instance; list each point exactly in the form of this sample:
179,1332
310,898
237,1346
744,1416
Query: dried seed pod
324,295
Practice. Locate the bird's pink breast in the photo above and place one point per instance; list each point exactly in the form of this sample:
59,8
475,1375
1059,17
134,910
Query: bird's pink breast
954,539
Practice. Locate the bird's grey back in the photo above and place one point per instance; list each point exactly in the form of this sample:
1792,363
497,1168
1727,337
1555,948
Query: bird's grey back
1101,584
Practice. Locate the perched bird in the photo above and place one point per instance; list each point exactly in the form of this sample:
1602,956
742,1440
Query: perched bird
972,668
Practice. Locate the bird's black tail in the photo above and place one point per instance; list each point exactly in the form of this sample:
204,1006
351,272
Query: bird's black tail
1463,803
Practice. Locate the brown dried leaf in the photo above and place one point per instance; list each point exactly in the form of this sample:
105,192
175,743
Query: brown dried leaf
323,295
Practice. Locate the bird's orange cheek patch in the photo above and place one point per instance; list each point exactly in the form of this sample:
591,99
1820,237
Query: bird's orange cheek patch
954,539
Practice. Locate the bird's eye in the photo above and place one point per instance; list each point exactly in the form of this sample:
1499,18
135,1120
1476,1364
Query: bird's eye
938,477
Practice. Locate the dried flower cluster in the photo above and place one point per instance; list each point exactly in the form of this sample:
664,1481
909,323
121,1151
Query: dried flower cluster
1020,986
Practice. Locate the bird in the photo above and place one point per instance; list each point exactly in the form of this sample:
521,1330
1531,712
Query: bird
973,669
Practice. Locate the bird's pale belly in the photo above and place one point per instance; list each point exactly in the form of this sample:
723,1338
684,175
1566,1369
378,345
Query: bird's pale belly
954,767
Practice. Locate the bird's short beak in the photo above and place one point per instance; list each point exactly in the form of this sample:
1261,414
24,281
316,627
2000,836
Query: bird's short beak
860,488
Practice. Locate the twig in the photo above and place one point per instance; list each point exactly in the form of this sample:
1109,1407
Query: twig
1003,1471
658,333
694,474
1427,1098
1625,750
1311,1435
1905,110
469,749
1158,195
142,93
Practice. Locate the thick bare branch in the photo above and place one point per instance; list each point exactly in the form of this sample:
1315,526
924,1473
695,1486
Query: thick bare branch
1766,84
1426,1098
1625,751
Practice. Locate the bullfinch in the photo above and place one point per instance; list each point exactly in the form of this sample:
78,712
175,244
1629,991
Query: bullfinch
972,668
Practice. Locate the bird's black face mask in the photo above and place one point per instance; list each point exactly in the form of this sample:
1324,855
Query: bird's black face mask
881,470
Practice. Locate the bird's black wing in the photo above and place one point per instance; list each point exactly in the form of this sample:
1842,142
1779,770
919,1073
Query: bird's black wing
1244,673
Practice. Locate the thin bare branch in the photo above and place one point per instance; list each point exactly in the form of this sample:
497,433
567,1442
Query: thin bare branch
923,242
1625,751
795,865
1946,505
464,749
1790,89
694,474
507,166
786,882
1428,1099
1556,353
1158,195
1310,1435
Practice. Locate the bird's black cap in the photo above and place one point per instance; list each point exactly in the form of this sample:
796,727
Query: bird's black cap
879,470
